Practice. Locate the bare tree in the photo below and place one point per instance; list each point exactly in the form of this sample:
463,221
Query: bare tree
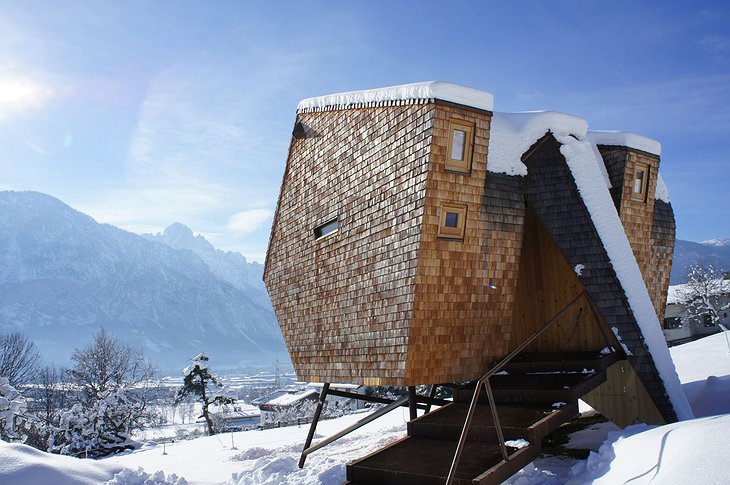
108,365
19,358
51,392
705,293
47,399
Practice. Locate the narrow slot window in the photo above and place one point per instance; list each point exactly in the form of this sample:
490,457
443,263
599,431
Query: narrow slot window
326,229
641,182
458,140
460,146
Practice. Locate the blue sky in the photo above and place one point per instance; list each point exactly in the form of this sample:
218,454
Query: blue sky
142,113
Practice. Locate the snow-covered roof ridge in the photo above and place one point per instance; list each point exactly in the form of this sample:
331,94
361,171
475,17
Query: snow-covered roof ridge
580,156
626,139
403,94
512,134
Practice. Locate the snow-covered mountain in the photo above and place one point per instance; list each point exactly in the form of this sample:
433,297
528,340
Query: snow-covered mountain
229,266
63,276
686,253
722,242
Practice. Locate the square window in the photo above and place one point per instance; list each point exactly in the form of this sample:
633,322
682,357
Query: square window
641,182
452,220
460,146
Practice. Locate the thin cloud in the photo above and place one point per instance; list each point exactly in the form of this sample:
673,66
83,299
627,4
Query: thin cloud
249,220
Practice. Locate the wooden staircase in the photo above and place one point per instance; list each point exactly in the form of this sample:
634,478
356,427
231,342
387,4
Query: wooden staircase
536,393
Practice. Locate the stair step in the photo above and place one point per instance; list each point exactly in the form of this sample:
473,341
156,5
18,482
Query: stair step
529,362
528,421
537,388
420,461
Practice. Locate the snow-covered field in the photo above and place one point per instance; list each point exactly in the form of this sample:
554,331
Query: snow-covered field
690,451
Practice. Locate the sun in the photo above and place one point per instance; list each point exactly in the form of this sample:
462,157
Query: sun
19,93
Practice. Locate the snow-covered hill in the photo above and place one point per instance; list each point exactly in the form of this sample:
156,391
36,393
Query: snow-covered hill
675,454
63,276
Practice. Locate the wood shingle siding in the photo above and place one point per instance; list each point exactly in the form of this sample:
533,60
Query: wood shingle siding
649,223
344,301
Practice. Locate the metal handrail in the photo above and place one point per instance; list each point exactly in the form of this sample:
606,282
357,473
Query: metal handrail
484,381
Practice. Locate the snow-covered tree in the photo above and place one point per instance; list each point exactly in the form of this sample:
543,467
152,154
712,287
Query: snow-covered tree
705,292
205,386
114,384
99,429
19,358
12,412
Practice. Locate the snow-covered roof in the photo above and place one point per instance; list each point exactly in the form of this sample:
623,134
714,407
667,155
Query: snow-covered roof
661,192
404,93
626,139
286,398
511,136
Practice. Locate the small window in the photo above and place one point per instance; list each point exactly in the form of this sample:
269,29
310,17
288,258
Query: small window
452,220
641,181
672,323
461,143
326,229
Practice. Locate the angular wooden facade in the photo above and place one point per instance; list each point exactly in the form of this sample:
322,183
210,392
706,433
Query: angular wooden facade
394,296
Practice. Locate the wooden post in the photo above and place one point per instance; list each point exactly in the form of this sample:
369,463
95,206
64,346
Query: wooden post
431,395
412,402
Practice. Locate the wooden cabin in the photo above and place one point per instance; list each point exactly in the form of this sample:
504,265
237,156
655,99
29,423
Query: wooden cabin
419,237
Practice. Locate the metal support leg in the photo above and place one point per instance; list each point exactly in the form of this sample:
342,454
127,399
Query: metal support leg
431,395
412,402
315,420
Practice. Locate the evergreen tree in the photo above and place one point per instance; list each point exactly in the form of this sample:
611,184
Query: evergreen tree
205,386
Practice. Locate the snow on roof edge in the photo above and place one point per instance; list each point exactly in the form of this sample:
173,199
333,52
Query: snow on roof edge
661,192
581,160
512,134
445,91
626,139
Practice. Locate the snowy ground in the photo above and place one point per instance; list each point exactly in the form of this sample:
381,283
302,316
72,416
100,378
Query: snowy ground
672,454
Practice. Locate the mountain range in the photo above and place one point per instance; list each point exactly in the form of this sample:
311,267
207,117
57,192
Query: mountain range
64,276
715,252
